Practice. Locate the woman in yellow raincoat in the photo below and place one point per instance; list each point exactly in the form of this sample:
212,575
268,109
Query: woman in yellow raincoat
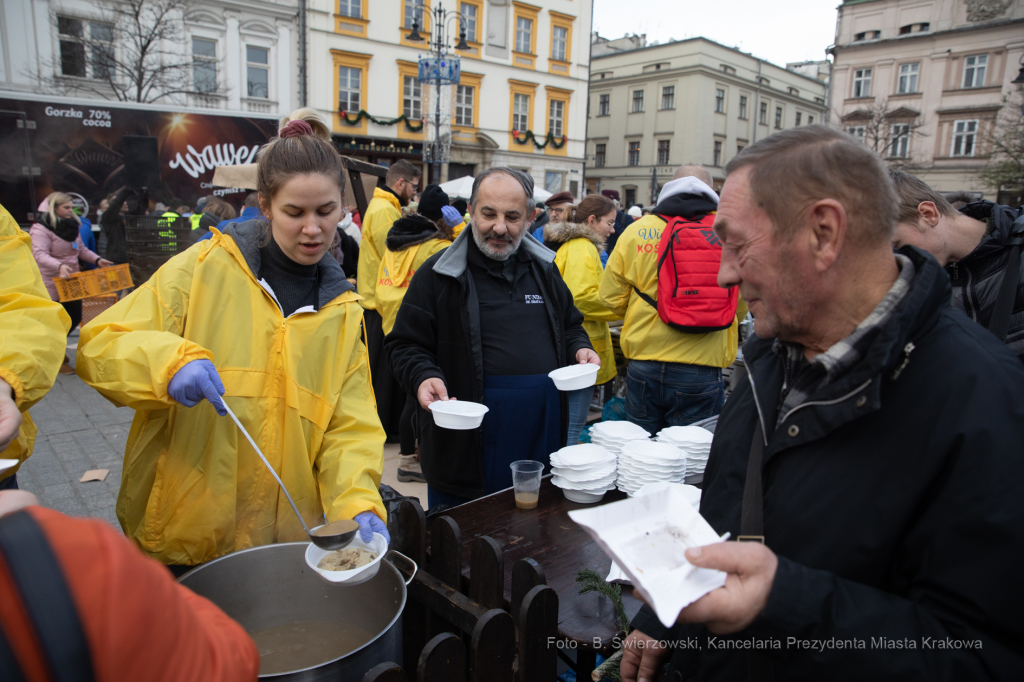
577,243
263,316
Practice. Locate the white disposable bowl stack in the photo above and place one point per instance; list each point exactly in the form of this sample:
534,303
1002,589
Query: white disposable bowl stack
615,434
696,443
584,472
643,462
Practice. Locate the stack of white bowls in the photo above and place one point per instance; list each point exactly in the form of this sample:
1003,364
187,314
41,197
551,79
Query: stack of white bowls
642,462
584,472
615,434
696,443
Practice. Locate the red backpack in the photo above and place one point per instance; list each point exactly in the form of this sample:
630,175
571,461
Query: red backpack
689,298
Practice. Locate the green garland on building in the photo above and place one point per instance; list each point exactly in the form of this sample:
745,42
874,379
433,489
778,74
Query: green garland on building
549,139
354,119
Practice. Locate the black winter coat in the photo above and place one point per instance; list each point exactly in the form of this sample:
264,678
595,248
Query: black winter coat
893,501
978,277
437,334
113,224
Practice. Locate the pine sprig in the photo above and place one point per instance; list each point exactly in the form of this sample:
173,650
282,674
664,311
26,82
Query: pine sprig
590,581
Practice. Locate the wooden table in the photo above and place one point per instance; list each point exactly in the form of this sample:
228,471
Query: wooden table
547,535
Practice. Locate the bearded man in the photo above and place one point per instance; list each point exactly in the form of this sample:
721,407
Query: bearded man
485,320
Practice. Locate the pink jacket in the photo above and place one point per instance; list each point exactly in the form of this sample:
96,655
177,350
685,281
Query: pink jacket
51,252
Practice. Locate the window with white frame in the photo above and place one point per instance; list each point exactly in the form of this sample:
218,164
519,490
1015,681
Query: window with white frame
559,42
524,34
763,114
521,111
257,67
634,154
556,115
348,88
974,70
638,101
964,134
351,8
857,131
663,152
743,107
899,140
464,95
668,97
600,150
861,83
554,181
86,48
468,12
719,101
907,82
718,153
778,117
810,120
204,64
603,105
413,14
412,98
799,117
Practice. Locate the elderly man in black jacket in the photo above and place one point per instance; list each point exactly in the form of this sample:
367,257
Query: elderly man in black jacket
874,455
485,320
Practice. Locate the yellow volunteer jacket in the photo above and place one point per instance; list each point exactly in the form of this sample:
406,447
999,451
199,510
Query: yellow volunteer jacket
396,271
634,262
33,333
384,209
192,488
579,261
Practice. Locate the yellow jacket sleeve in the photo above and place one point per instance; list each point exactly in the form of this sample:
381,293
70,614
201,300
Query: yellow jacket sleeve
580,265
351,458
33,327
615,290
381,214
130,352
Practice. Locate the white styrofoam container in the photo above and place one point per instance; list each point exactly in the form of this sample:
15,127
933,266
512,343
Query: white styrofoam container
574,377
458,415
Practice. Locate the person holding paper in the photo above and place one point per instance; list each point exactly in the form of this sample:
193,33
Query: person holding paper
873,455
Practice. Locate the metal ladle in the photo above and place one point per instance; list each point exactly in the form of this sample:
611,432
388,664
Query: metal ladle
332,536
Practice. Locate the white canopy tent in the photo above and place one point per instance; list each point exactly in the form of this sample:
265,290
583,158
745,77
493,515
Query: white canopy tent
462,188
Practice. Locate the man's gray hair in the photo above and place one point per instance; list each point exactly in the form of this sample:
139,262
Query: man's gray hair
522,178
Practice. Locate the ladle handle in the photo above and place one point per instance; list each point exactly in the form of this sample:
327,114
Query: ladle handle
415,568
269,468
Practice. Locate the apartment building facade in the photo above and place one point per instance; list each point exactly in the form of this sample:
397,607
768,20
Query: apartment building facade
923,82
520,101
690,101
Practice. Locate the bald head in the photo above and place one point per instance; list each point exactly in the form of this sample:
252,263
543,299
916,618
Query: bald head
693,170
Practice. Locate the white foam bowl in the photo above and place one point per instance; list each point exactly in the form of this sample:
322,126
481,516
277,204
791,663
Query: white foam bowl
458,415
357,575
6,464
574,377
582,497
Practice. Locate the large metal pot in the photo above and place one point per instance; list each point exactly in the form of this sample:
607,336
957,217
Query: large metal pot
270,586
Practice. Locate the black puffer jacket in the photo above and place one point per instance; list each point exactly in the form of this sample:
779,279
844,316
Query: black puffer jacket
892,499
437,334
978,277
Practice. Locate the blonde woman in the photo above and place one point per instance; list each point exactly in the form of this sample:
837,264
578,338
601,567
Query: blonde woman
57,247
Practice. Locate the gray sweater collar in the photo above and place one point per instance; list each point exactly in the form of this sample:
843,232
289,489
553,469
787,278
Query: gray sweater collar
453,261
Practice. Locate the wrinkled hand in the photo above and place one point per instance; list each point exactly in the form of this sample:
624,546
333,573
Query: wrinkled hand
430,391
751,571
10,416
15,500
370,523
452,217
104,263
642,656
586,356
194,382
65,272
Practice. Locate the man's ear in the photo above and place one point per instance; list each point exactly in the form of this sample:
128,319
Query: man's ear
827,223
929,215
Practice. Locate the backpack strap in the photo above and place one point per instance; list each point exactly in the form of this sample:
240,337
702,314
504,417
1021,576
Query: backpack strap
1003,308
36,573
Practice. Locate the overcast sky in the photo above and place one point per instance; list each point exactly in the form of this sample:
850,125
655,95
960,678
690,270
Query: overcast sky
781,32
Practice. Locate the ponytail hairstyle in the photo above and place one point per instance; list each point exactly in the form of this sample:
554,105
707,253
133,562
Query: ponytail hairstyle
592,205
53,201
297,150
311,116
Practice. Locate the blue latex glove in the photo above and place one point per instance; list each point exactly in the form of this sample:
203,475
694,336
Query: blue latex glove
451,215
194,382
370,523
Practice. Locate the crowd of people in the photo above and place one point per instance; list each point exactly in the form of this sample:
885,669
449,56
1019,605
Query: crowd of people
868,457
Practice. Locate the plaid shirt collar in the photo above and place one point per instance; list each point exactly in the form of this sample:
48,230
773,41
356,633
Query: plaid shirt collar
802,377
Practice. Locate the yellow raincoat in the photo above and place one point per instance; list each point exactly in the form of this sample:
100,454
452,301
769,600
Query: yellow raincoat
578,260
192,488
396,271
634,262
33,333
383,211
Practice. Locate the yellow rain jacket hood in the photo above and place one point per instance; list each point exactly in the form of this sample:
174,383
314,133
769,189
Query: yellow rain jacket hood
577,257
411,242
192,488
33,333
634,263
381,214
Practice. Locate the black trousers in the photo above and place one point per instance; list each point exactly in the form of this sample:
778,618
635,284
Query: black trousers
407,428
74,309
389,394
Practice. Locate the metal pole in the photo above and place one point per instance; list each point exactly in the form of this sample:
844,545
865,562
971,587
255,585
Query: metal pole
302,53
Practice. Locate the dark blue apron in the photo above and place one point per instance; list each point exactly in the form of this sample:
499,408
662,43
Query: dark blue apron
524,422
